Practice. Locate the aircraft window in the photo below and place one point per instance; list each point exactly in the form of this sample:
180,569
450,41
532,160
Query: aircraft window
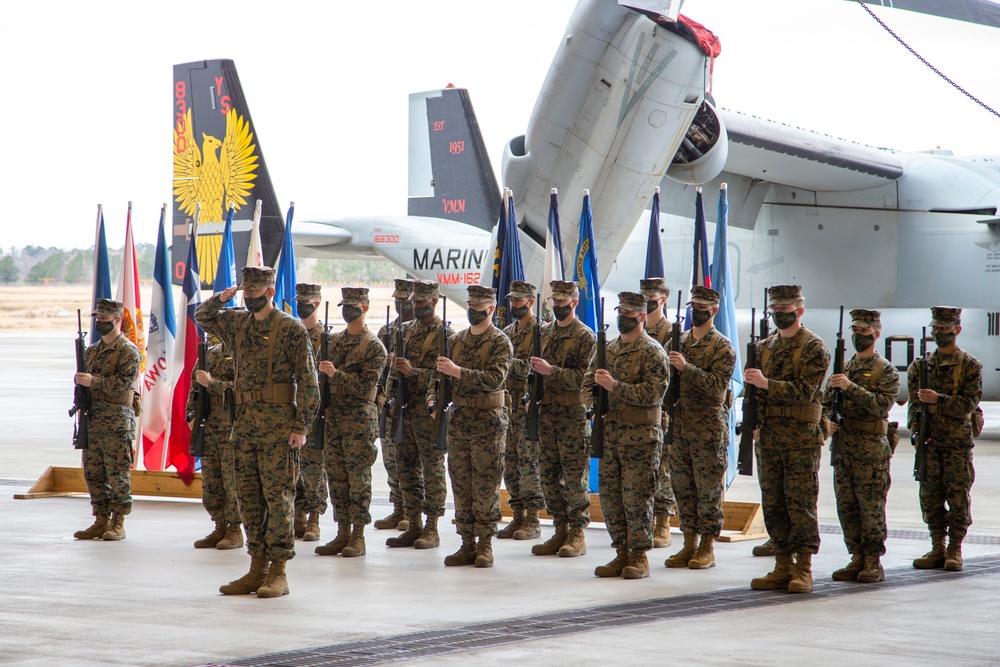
909,350
993,324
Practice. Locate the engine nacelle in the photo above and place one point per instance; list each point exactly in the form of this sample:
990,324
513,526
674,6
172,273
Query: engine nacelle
704,149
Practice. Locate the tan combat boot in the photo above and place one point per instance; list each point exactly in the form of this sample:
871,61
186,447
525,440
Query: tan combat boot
117,530
466,554
97,529
638,565
300,522
403,525
484,552
575,545
429,538
684,556
615,567
392,520
531,529
661,531
515,525
704,558
934,558
872,572
311,533
551,546
802,575
953,556
776,579
233,538
276,583
766,549
212,540
337,544
249,582
413,531
850,571
356,547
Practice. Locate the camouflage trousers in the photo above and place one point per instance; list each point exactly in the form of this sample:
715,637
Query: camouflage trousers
310,487
861,486
627,478
389,462
698,468
789,493
421,467
218,479
945,497
266,470
476,440
520,467
350,453
664,502
107,463
564,457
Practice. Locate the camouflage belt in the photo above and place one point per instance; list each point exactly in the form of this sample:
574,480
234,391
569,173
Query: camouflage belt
483,401
876,426
342,391
636,415
564,398
124,398
810,412
276,393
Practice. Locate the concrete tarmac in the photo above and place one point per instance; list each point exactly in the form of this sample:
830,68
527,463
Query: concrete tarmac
152,599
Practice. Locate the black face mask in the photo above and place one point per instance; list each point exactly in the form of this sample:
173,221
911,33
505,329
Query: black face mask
784,320
862,342
517,312
627,324
424,312
940,339
652,306
350,313
562,312
255,304
104,328
699,317
306,309
477,316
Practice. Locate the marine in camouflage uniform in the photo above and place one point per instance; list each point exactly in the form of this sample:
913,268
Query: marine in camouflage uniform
793,363
477,428
956,386
520,471
112,368
865,444
387,334
310,488
635,379
421,467
277,396
699,454
564,431
356,359
218,479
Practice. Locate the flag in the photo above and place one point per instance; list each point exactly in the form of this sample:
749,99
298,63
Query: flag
725,320
654,252
133,325
185,360
255,256
497,241
158,379
700,269
102,272
284,288
225,272
511,262
554,264
585,269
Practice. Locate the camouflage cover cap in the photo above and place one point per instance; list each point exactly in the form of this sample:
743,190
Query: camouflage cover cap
631,301
521,290
654,287
779,295
257,277
403,288
704,296
479,295
945,316
424,290
307,293
353,296
109,308
865,318
565,289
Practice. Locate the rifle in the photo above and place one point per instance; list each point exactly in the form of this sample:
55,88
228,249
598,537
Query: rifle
836,402
751,405
202,403
923,433
383,380
399,388
674,392
442,398
81,394
533,398
319,430
600,393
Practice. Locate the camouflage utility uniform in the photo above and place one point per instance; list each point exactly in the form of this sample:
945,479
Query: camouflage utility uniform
310,487
665,501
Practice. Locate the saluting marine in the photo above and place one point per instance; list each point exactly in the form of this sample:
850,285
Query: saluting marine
310,488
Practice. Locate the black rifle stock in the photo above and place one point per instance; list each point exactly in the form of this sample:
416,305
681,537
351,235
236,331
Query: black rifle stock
837,400
81,394
600,393
400,388
674,391
442,398
319,430
745,429
923,433
383,381
202,404
533,399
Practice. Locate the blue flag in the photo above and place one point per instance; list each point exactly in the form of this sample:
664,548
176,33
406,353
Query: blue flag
225,272
102,272
654,251
585,268
499,241
725,320
285,280
511,263
700,270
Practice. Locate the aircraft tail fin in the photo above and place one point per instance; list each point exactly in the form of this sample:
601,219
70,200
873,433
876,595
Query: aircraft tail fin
450,175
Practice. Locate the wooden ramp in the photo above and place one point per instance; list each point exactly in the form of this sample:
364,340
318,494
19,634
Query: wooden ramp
56,481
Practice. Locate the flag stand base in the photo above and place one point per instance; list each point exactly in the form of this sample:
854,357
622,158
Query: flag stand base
56,482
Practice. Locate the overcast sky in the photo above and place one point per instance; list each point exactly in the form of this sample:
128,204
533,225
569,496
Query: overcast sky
85,113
